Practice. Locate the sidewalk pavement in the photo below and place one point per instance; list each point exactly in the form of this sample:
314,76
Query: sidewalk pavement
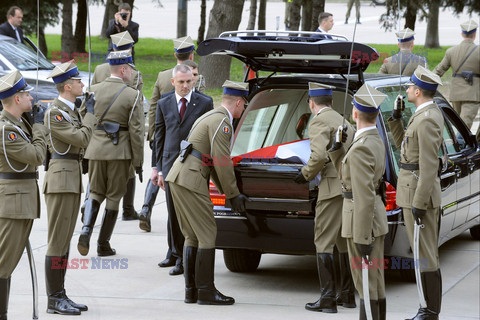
130,285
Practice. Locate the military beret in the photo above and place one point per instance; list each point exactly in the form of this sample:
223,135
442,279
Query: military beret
122,41
318,89
469,26
235,88
368,99
120,57
65,71
425,79
405,35
12,83
184,44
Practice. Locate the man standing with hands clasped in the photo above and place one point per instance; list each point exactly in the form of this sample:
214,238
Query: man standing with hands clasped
328,211
203,156
175,116
364,219
69,136
418,186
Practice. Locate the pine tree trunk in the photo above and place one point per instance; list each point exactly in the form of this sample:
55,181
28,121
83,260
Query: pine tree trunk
110,10
201,29
295,6
182,10
224,16
68,43
318,6
410,15
307,15
431,39
253,15
81,26
262,12
42,43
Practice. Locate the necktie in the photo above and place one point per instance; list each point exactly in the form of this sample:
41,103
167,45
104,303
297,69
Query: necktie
183,108
18,35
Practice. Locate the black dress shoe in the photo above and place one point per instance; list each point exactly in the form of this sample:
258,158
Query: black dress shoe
57,303
178,269
213,297
167,263
425,314
105,250
79,306
322,305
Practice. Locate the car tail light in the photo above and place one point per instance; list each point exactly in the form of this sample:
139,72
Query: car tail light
391,197
217,198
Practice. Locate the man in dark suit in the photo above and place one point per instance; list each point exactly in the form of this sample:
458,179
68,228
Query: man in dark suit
325,24
122,23
175,115
11,27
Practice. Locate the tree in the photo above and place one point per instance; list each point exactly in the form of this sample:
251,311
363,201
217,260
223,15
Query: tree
307,15
318,6
294,14
68,43
224,16
182,10
49,15
110,10
427,9
81,26
253,15
201,29
262,12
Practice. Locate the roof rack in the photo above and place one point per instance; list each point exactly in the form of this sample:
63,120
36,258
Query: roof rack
283,34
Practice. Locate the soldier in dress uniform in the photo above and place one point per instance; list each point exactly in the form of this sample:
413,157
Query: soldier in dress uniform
418,185
117,143
364,219
464,59
204,156
68,138
23,148
404,62
328,217
184,50
123,41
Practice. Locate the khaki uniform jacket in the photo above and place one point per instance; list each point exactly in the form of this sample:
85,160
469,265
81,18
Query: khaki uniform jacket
420,144
20,152
211,134
102,72
322,131
409,62
460,89
361,171
162,86
126,111
69,134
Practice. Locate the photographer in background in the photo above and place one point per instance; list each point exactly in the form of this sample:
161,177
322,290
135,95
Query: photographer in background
122,23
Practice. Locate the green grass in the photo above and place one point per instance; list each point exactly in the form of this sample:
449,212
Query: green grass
155,55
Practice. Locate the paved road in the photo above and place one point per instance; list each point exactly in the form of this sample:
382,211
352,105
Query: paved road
160,22
133,287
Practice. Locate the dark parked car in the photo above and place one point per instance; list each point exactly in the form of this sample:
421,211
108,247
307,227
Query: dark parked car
270,147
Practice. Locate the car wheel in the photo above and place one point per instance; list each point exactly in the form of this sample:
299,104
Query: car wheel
241,260
475,232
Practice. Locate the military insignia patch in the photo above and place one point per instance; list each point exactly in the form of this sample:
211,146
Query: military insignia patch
226,129
12,136
58,118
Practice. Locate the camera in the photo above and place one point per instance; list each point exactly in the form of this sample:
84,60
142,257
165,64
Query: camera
124,15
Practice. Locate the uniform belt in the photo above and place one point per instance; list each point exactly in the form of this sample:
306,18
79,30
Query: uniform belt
460,75
349,194
196,154
18,175
68,156
409,166
100,127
